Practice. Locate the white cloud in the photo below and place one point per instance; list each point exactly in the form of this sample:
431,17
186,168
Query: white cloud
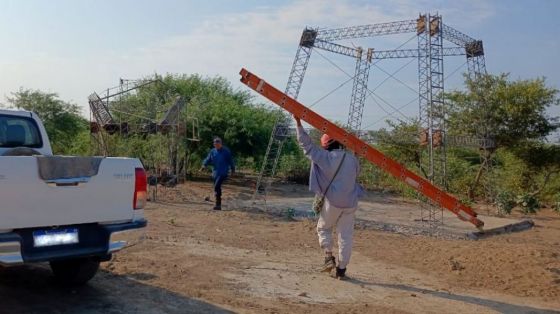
264,40
458,13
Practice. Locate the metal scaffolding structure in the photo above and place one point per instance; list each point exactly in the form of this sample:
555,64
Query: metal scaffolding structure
370,30
281,127
431,33
432,108
359,91
99,110
102,122
168,165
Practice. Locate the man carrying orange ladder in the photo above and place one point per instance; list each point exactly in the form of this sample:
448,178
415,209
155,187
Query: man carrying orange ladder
361,148
334,174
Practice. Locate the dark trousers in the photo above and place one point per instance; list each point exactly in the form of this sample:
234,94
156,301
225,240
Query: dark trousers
218,180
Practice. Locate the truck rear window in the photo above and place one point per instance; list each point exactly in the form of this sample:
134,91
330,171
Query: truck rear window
19,131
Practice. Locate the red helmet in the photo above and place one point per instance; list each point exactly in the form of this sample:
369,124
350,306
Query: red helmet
326,140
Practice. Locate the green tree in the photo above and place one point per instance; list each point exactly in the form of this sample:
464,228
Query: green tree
219,110
542,165
399,141
513,113
61,119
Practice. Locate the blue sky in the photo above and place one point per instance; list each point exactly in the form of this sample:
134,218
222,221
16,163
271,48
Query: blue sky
76,47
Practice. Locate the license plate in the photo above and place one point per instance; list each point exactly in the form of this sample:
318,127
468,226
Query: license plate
44,238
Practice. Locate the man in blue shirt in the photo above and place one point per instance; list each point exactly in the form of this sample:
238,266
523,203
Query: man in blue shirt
221,160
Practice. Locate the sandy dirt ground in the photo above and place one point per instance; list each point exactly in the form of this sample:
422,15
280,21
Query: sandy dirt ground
195,260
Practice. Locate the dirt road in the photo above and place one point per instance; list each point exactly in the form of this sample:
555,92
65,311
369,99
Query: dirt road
195,260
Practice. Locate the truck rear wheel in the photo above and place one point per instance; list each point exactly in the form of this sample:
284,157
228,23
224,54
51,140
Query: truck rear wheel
75,271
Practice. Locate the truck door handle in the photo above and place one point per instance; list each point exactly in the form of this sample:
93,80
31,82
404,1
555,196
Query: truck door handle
68,182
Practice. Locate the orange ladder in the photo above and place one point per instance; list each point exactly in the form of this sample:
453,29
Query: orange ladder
361,148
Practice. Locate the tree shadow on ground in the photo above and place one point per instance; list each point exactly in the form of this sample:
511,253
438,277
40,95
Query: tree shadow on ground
498,306
32,289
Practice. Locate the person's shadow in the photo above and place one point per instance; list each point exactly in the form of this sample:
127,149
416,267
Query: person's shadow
32,289
491,304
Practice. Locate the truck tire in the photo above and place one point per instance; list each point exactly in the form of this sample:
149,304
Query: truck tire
75,271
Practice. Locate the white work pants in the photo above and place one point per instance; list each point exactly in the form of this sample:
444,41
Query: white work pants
343,219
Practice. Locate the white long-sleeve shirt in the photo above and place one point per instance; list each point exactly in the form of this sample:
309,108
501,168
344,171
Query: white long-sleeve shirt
344,190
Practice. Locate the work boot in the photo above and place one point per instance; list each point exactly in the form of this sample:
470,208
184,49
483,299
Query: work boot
340,273
218,203
328,265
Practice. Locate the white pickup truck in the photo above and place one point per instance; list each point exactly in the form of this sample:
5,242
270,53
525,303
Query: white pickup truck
72,212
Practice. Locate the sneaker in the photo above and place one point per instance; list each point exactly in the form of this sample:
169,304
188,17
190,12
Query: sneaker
217,207
340,273
328,265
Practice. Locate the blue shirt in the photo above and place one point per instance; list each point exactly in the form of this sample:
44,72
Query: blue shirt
221,160
344,190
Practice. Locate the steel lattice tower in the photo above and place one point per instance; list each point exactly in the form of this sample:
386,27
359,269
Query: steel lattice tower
476,66
359,90
281,125
431,33
432,106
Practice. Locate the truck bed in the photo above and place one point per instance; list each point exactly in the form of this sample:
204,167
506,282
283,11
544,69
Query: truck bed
29,201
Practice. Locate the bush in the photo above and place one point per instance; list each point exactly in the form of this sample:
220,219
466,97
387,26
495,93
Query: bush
556,206
294,168
466,201
505,201
529,203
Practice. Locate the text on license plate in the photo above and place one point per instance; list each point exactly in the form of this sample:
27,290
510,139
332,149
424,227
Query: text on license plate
43,238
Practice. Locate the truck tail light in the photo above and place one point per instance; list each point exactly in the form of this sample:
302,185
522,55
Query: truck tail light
140,189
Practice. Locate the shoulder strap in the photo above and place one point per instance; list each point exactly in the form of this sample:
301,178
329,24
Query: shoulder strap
337,169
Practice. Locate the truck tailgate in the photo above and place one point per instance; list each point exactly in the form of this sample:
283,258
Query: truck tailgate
28,201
